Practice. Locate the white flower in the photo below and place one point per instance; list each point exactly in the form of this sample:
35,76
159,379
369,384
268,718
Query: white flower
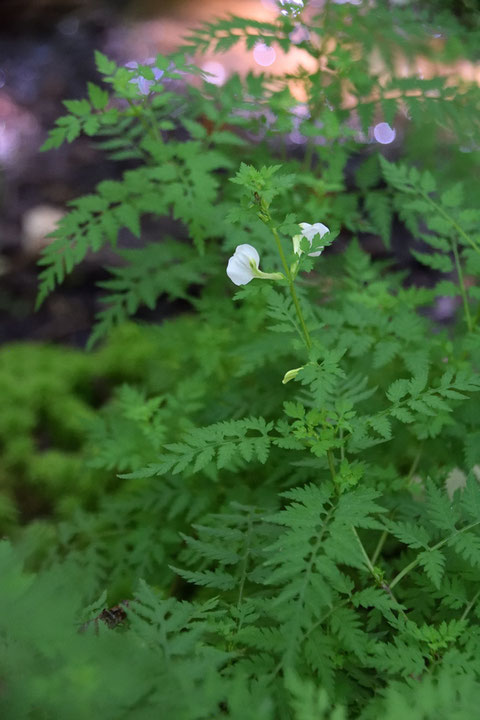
309,232
243,266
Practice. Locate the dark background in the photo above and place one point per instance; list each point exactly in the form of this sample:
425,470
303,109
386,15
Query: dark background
46,55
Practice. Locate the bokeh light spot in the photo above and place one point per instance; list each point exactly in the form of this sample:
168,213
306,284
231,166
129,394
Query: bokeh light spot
384,134
296,137
216,72
264,55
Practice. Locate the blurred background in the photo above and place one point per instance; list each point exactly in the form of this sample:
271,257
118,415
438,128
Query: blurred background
51,435
46,55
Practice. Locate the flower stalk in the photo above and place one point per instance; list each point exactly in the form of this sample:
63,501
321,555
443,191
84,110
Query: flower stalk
291,286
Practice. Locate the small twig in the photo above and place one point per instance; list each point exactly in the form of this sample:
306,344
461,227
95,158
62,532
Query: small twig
380,544
470,606
414,563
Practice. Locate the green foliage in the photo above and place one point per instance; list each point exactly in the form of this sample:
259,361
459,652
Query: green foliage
269,506
46,404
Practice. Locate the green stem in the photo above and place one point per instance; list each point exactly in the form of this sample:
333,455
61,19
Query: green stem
414,464
452,222
245,560
301,596
139,115
380,544
470,606
291,287
414,563
461,281
331,464
325,617
149,127
306,334
281,253
368,562
387,588
153,123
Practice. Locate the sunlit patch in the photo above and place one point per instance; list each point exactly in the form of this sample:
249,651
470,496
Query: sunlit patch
264,55
444,308
216,72
4,144
471,147
18,131
297,138
361,137
384,134
300,112
37,223
290,7
9,143
299,34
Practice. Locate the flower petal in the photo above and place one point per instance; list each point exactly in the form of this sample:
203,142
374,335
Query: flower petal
238,273
239,268
310,231
248,251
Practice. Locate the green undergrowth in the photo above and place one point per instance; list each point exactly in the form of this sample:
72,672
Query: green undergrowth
52,397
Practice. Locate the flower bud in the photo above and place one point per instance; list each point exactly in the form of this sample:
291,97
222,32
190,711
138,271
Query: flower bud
291,374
